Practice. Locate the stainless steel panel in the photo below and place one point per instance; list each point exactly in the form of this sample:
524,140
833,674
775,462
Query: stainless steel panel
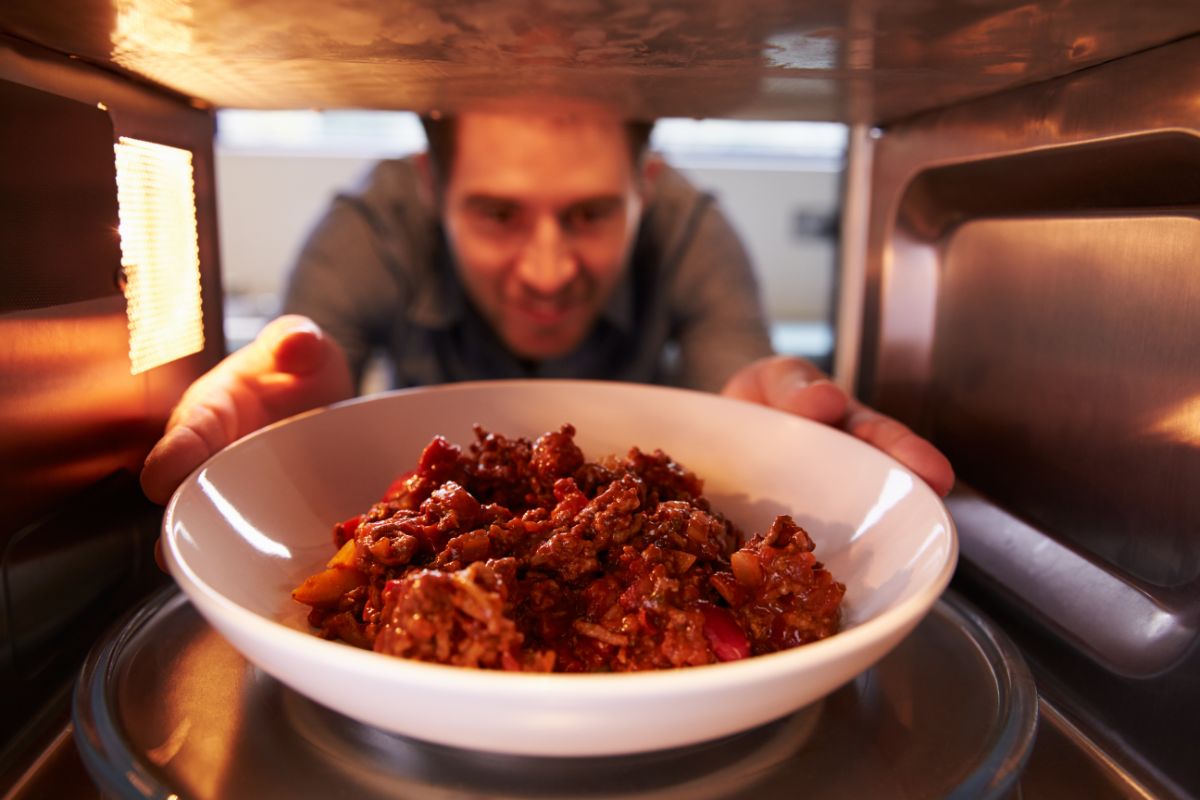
1031,303
857,61
1071,346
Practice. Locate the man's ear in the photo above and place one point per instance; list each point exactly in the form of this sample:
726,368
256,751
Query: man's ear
427,183
652,167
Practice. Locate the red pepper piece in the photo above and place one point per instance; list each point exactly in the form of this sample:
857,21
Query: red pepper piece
344,530
724,635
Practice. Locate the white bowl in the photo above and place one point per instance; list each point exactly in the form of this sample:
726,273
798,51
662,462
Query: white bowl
250,524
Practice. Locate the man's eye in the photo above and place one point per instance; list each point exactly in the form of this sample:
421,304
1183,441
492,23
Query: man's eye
589,215
500,215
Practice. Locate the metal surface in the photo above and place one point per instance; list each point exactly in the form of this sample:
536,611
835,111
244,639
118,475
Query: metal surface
856,61
165,706
57,163
1031,305
1146,631
1066,764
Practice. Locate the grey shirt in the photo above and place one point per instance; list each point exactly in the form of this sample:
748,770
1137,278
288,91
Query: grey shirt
376,274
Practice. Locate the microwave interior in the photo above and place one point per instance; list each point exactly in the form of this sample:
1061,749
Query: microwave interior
1013,238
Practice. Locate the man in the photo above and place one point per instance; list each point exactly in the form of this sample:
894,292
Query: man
530,242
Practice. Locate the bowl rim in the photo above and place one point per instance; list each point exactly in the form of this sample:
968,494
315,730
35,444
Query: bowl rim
561,687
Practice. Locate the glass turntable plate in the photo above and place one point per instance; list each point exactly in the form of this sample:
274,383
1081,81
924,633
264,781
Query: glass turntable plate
166,708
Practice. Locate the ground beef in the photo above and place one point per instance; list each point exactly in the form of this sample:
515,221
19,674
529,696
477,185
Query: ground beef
522,555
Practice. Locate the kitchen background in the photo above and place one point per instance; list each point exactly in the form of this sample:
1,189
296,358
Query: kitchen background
778,182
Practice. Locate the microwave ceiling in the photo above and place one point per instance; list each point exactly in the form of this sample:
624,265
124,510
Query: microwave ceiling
856,61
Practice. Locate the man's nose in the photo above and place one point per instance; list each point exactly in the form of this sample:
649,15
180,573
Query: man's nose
546,264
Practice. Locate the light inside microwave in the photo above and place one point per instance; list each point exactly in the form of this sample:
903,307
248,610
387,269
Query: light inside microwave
159,252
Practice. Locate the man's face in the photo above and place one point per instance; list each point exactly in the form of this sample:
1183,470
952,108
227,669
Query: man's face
541,213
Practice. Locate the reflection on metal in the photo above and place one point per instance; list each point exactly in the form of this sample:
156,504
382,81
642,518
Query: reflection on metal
1179,423
853,61
154,37
159,252
164,26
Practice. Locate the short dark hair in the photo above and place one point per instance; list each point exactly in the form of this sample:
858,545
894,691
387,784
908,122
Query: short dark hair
440,133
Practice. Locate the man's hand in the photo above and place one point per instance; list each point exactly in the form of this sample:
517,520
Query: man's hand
290,367
797,386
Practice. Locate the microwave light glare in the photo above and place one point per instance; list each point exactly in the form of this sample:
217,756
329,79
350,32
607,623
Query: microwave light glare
161,26
1180,423
160,254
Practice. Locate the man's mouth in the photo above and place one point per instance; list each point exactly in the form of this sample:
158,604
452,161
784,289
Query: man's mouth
546,315
542,327
547,312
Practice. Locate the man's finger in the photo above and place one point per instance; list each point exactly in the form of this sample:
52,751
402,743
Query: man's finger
902,444
790,384
172,460
293,344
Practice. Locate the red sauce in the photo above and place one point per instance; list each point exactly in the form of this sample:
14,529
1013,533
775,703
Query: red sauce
522,555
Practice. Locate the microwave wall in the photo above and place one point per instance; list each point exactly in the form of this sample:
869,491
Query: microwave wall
76,536
1031,301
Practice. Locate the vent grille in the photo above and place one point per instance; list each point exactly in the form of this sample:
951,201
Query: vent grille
159,252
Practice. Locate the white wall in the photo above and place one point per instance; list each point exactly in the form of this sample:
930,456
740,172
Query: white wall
266,203
763,203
